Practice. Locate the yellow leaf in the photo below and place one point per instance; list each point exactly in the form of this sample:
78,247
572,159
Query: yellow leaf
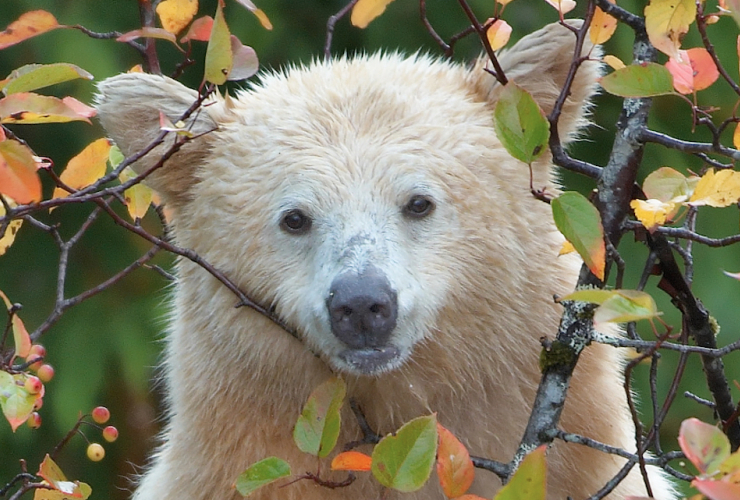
504,3
263,19
717,190
498,34
566,248
85,168
176,14
614,62
736,137
667,21
18,177
7,239
138,197
562,6
602,26
365,11
653,213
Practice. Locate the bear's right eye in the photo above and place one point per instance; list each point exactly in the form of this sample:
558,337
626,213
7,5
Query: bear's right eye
295,222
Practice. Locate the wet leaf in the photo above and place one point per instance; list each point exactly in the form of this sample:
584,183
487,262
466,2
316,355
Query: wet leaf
454,467
636,80
365,11
404,462
667,21
12,230
263,472
200,30
21,339
720,189
29,108
529,480
261,16
625,306
19,179
602,26
694,71
28,25
175,15
498,34
37,76
520,124
704,445
138,197
85,168
352,460
219,58
580,223
317,428
245,62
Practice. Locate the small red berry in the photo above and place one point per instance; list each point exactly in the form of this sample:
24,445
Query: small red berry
95,452
45,373
33,385
38,404
110,433
37,351
34,421
100,414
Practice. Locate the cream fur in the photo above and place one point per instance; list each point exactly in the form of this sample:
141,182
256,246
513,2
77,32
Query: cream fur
349,142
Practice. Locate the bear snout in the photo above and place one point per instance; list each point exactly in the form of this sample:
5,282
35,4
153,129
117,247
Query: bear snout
363,309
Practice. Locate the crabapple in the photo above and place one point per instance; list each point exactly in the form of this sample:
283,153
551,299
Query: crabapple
95,452
45,372
33,385
100,414
110,433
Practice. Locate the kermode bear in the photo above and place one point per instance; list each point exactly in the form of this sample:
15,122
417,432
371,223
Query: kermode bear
368,201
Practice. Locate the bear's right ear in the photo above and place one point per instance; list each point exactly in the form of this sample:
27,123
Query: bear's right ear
129,107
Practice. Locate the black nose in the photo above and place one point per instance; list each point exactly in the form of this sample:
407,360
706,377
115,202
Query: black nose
363,309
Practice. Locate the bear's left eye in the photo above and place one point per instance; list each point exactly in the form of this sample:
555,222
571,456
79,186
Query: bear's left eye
418,206
295,222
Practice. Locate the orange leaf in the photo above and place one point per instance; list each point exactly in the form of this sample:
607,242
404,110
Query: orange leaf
28,25
695,70
176,14
148,33
352,460
85,168
261,16
18,177
365,11
498,34
602,26
200,30
454,467
29,108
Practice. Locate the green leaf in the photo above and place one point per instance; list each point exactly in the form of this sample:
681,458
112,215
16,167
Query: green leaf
639,80
263,472
404,461
592,295
704,445
16,402
580,223
626,305
36,76
520,124
219,57
317,429
529,480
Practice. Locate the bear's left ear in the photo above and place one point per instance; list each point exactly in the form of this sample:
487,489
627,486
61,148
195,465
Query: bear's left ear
539,63
129,107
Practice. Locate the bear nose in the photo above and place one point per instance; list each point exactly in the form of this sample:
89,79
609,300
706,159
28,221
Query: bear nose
363,309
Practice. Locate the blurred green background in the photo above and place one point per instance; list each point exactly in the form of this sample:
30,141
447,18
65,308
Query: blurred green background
105,350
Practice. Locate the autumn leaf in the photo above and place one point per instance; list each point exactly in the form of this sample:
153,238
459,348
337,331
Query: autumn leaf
562,6
21,338
159,33
16,403
736,137
566,248
19,179
639,80
529,480
219,57
717,190
62,489
613,61
37,76
704,445
717,490
30,108
580,223
454,467
176,14
261,473
317,428
667,21
666,184
28,25
200,30
261,16
693,71
653,213
11,230
365,11
602,26
498,34
625,306
138,197
245,62
85,168
352,460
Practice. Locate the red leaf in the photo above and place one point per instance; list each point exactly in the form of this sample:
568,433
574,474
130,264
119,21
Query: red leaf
27,26
696,70
200,30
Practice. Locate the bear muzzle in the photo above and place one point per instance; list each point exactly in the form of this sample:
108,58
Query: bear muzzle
363,310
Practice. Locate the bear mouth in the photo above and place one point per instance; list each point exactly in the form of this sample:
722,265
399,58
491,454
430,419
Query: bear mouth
371,360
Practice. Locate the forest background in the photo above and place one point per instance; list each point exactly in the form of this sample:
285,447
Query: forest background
105,350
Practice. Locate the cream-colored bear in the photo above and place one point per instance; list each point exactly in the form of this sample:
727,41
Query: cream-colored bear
369,202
